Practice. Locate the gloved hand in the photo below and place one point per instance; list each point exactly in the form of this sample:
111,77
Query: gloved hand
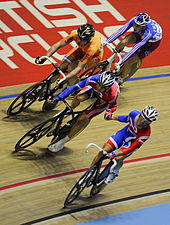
108,114
117,67
52,99
38,61
111,155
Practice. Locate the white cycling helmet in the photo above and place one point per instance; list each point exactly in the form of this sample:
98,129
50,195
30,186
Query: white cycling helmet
149,113
142,19
106,79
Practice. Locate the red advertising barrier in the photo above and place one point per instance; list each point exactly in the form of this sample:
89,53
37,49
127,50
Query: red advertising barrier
29,27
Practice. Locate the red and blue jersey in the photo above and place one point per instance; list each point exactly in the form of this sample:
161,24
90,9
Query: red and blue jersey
130,137
109,96
152,33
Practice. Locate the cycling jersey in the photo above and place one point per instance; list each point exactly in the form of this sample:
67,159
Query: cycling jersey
109,97
130,138
92,50
152,33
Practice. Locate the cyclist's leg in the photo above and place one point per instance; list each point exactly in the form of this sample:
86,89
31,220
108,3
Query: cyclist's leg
128,40
130,67
133,64
80,124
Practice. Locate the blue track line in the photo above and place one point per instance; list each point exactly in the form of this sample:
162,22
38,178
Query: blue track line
131,79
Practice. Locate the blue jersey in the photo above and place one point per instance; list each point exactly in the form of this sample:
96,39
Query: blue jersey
130,137
152,33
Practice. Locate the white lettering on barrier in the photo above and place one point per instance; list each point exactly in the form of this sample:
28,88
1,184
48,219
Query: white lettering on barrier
104,6
5,53
79,20
8,8
4,27
16,40
36,13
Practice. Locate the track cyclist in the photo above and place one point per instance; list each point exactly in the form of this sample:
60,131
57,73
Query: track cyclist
100,86
89,51
146,36
127,140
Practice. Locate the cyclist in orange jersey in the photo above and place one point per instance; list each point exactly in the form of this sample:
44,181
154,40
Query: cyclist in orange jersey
89,51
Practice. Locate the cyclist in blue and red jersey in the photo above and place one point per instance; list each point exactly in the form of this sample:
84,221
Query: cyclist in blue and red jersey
100,86
146,36
127,140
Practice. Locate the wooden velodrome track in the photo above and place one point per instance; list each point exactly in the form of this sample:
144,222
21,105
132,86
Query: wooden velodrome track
140,184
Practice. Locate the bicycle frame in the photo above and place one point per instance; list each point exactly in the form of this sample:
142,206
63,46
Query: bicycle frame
38,91
91,177
107,169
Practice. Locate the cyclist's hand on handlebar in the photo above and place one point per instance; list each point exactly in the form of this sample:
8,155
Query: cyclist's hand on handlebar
117,67
53,100
108,114
39,61
111,155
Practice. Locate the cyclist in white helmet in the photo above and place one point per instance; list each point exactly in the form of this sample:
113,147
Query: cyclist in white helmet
127,140
102,87
146,37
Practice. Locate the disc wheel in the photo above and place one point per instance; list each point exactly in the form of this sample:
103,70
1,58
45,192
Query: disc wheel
25,99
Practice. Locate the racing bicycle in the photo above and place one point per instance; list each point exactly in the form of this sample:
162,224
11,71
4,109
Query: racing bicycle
39,91
94,177
104,65
56,127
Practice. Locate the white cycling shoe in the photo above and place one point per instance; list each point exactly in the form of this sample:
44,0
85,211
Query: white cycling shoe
112,176
59,145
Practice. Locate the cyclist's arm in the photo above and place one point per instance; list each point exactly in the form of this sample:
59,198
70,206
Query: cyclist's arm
55,47
135,145
136,47
75,71
121,31
71,89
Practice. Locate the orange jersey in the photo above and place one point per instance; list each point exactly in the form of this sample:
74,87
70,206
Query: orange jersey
93,49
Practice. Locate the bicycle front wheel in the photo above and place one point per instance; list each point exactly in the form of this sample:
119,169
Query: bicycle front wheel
99,184
25,99
98,68
35,134
80,185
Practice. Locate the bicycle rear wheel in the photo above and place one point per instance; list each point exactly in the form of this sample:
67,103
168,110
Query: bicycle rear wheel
35,134
80,185
25,99
98,68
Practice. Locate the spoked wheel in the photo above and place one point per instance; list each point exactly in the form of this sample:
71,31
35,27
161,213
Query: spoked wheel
25,99
80,185
98,68
34,134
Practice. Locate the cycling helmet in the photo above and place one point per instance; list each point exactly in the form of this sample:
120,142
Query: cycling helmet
106,79
149,113
142,19
86,31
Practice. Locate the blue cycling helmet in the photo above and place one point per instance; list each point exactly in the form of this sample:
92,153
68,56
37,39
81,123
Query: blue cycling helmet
142,19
